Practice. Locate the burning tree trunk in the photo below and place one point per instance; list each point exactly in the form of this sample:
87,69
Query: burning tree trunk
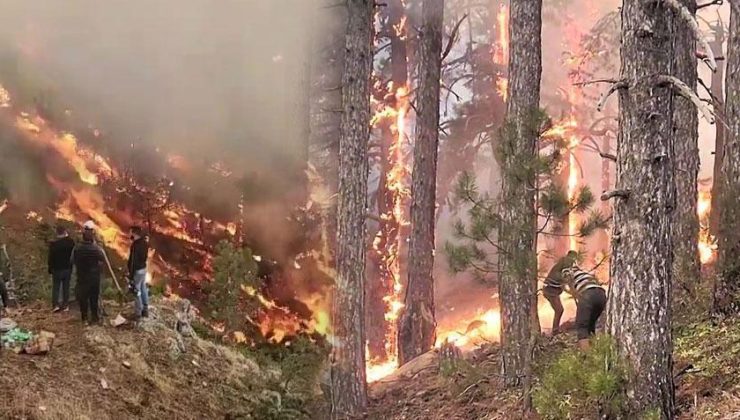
416,332
727,288
686,264
384,287
349,387
717,90
639,308
518,150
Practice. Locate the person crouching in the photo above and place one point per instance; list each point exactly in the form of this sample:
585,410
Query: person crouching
590,299
88,259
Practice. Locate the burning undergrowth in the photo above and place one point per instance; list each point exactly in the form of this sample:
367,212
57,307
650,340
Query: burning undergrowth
71,173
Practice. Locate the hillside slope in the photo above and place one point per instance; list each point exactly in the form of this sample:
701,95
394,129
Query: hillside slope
150,372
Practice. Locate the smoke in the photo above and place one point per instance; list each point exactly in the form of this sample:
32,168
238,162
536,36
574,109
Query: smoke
213,81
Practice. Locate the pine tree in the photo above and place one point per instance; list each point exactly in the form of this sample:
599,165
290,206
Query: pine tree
686,263
727,288
639,308
416,332
349,387
518,281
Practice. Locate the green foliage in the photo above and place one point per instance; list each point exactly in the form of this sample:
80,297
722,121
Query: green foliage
583,385
234,269
485,230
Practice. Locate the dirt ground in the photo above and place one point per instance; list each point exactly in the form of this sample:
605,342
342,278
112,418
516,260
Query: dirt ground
150,372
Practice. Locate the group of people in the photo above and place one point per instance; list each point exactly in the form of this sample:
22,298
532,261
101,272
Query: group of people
583,286
88,260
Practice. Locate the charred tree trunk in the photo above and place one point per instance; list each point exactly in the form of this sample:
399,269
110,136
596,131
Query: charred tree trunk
518,150
349,387
717,90
727,288
639,308
686,265
416,332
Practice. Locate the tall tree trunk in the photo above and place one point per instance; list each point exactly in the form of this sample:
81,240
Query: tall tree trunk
686,265
416,332
639,308
519,150
349,387
326,100
381,285
717,90
727,288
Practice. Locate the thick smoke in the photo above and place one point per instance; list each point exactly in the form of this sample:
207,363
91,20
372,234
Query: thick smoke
208,80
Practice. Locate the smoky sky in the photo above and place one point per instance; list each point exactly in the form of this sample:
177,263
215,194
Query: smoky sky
206,79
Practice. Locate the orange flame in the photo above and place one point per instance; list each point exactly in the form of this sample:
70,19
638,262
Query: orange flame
707,243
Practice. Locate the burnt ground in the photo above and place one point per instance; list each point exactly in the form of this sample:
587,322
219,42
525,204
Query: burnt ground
150,371
473,390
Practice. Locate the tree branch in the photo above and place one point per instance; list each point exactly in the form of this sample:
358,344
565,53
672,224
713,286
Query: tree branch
711,3
608,156
453,37
694,26
684,90
621,84
608,195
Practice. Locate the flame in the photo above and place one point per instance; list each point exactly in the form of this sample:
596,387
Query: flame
501,55
396,182
707,243
4,98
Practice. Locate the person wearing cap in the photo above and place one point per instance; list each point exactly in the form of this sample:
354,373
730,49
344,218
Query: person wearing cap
138,254
59,263
88,259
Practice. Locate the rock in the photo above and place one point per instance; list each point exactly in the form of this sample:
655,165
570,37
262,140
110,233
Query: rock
118,321
184,315
40,344
104,384
126,364
7,324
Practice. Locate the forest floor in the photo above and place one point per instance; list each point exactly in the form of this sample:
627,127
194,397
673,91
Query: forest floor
474,390
147,371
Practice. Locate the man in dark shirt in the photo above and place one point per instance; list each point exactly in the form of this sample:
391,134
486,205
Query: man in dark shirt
138,254
553,287
60,268
88,258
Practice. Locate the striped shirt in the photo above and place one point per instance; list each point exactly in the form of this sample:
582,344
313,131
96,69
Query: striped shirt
582,281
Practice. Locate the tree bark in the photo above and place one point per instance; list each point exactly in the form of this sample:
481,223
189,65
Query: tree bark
727,287
686,265
717,90
416,332
639,307
519,150
349,387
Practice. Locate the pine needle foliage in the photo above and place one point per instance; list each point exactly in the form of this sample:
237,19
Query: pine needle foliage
583,384
234,271
476,243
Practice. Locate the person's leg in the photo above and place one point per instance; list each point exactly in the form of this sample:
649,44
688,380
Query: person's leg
94,298
598,304
82,299
557,307
56,282
66,279
583,317
141,299
3,294
144,297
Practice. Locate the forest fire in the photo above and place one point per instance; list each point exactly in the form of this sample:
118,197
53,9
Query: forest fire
707,243
396,183
501,51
